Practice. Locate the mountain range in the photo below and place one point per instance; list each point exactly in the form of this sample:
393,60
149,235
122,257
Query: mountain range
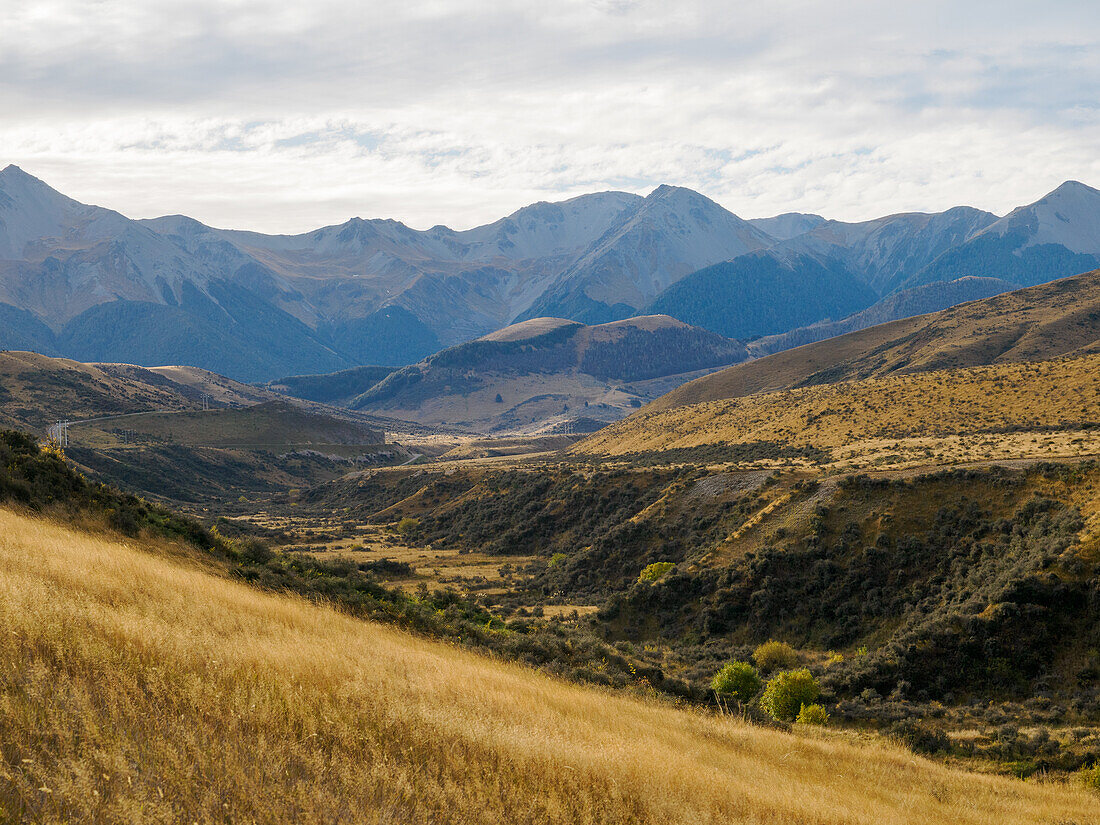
88,283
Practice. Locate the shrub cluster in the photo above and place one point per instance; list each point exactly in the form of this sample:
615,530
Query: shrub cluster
773,655
787,692
812,715
738,681
655,571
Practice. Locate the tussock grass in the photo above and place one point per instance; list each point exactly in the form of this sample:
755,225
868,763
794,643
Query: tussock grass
1045,408
136,687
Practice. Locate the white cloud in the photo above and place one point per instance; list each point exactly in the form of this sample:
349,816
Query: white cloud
283,117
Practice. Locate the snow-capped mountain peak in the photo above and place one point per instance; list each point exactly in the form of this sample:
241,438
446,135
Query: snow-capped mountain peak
1068,216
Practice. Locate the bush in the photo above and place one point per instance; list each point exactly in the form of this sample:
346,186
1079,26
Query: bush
737,680
775,655
787,692
653,572
1090,777
812,715
255,551
924,739
407,526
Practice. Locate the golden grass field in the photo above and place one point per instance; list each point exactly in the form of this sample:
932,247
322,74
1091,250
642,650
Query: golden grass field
139,686
948,415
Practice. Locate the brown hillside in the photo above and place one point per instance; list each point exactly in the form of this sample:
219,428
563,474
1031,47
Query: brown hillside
36,390
1046,321
192,698
1028,410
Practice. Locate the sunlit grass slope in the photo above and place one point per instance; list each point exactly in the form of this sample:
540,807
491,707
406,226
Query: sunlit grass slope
135,687
1007,403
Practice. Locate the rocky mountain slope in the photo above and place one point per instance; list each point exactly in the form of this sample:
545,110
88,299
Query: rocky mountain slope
670,234
1057,235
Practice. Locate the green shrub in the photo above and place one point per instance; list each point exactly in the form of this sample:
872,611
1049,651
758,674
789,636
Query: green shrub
655,571
407,526
812,715
557,559
1090,777
737,680
787,692
775,655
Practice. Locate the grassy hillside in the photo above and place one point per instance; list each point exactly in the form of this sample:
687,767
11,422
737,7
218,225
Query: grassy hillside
195,698
36,391
145,429
917,301
276,424
1041,409
1041,322
958,608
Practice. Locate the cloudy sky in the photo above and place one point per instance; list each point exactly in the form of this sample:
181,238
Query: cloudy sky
284,116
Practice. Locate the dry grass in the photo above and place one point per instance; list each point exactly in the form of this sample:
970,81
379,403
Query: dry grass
136,688
917,417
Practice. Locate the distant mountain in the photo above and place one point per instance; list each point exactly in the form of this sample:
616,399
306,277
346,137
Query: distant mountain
94,285
1032,324
550,372
447,286
668,235
904,259
788,225
764,293
88,283
917,301
886,251
110,289
21,330
1055,236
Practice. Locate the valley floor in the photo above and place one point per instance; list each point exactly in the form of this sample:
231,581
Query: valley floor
137,685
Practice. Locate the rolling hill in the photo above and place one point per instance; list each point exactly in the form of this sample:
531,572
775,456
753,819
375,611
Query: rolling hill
1045,321
919,300
1041,410
549,372
207,697
187,434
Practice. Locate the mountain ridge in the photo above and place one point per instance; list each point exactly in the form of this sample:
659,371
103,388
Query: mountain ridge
89,283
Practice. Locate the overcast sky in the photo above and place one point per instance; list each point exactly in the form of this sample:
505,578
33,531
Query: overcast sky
283,116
